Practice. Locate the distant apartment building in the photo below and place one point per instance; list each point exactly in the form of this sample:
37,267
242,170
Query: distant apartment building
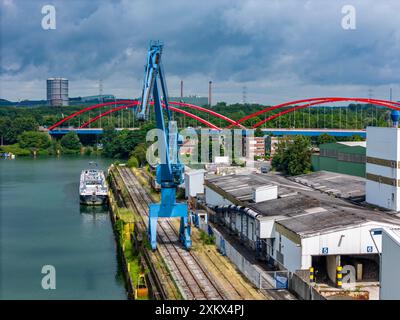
57,92
256,146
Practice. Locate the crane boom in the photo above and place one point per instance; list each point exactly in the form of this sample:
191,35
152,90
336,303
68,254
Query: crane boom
170,172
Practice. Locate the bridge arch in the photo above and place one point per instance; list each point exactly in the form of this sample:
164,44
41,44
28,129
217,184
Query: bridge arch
181,104
57,124
383,103
216,114
131,105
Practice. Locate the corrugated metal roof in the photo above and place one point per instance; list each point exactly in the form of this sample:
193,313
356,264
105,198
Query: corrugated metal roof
297,212
342,185
354,143
394,233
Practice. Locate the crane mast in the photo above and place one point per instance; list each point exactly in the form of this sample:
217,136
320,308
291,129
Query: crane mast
170,172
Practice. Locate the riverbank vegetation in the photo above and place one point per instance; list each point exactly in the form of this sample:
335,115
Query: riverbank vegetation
36,143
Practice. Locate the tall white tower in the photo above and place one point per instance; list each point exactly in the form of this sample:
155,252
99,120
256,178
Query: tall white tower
383,165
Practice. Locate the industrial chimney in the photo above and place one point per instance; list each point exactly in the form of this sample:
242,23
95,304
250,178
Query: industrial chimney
181,89
209,93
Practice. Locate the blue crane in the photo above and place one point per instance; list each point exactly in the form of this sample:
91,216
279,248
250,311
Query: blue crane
170,171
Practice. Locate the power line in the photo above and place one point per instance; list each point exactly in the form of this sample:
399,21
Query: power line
244,94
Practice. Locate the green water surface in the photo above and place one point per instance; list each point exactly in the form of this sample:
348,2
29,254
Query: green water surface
42,223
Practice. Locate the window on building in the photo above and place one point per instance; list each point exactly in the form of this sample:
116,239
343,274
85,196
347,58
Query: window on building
351,157
328,153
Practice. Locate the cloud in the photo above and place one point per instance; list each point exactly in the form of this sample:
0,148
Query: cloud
279,49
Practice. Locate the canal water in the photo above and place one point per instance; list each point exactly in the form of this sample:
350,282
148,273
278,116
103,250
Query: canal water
42,223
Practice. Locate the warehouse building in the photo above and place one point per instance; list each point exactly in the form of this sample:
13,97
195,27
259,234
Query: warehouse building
296,227
341,157
390,261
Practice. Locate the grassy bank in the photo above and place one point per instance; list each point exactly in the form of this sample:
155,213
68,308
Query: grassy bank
124,227
17,150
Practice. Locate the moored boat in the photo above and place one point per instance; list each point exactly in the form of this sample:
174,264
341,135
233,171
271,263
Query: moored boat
93,189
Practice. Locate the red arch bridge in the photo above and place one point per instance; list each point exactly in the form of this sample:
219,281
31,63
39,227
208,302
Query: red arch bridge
178,107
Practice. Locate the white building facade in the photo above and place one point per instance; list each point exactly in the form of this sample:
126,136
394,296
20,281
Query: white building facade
382,167
390,262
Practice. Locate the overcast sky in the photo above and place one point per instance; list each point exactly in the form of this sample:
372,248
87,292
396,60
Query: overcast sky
279,49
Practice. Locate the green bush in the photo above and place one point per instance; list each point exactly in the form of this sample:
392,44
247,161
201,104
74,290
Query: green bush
88,151
43,152
206,238
34,140
55,146
140,154
71,141
16,149
133,162
69,151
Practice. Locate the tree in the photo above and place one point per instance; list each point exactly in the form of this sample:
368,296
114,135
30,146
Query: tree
22,124
71,141
251,122
356,137
5,136
10,128
258,132
49,120
122,144
34,140
293,155
325,138
140,153
109,140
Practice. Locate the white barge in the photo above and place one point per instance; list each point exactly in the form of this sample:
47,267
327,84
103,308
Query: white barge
93,189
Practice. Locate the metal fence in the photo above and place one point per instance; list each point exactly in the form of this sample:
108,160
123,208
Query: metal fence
260,278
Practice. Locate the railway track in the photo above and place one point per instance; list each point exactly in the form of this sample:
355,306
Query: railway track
164,288
194,281
235,290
